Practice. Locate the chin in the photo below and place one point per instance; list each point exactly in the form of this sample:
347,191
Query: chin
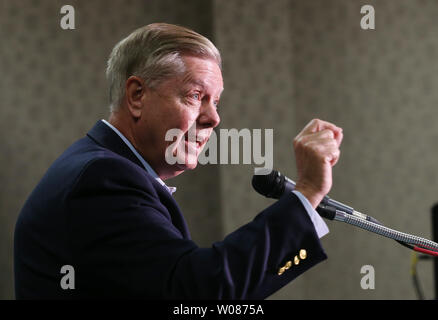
191,166
187,166
178,168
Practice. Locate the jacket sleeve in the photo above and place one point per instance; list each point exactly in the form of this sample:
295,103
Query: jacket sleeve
124,244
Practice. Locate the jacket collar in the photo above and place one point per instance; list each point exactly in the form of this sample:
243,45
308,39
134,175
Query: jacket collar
108,139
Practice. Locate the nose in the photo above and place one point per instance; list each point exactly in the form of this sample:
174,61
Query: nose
208,117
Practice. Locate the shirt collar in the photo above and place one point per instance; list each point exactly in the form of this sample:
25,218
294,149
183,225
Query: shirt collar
140,158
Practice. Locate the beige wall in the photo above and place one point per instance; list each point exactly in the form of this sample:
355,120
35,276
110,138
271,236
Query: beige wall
285,62
380,86
290,61
53,89
255,39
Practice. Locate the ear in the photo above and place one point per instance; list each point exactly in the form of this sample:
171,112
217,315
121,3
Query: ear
135,91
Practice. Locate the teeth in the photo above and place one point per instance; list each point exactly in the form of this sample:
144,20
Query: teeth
198,141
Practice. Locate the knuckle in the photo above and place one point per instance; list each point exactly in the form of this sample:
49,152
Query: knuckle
327,133
316,121
333,143
330,134
310,144
297,143
301,140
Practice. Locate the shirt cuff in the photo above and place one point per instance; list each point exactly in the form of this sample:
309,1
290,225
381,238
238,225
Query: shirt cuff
319,224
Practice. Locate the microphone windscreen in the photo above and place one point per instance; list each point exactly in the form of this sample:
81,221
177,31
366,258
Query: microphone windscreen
270,185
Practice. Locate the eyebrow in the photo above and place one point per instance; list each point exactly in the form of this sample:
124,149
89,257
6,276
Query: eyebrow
197,82
189,80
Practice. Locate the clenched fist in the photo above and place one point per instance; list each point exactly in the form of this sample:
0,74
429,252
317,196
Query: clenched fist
316,152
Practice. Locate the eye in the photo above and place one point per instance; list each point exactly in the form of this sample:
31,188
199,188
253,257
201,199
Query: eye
196,96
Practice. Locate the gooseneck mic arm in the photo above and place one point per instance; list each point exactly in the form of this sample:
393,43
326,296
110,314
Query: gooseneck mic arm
275,185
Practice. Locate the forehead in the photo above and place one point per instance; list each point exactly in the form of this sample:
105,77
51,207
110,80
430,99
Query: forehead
202,72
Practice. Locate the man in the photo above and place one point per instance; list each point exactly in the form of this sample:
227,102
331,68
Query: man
104,211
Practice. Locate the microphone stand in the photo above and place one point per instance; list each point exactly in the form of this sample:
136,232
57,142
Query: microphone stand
275,184
411,241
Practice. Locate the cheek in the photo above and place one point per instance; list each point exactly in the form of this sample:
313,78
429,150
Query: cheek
179,124
186,120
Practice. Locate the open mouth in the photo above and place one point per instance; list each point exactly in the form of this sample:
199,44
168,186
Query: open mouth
200,141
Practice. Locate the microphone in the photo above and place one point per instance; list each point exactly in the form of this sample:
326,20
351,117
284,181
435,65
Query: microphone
275,185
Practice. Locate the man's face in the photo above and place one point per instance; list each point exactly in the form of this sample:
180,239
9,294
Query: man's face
187,103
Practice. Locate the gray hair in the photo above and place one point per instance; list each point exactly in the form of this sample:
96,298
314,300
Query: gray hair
153,53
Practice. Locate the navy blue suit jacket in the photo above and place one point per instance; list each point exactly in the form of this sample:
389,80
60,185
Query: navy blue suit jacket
98,210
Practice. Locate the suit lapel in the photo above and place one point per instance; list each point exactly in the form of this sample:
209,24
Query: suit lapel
107,138
176,215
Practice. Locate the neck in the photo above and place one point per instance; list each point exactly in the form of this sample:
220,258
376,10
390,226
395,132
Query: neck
116,120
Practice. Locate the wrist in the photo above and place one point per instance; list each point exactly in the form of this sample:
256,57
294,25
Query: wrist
311,195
